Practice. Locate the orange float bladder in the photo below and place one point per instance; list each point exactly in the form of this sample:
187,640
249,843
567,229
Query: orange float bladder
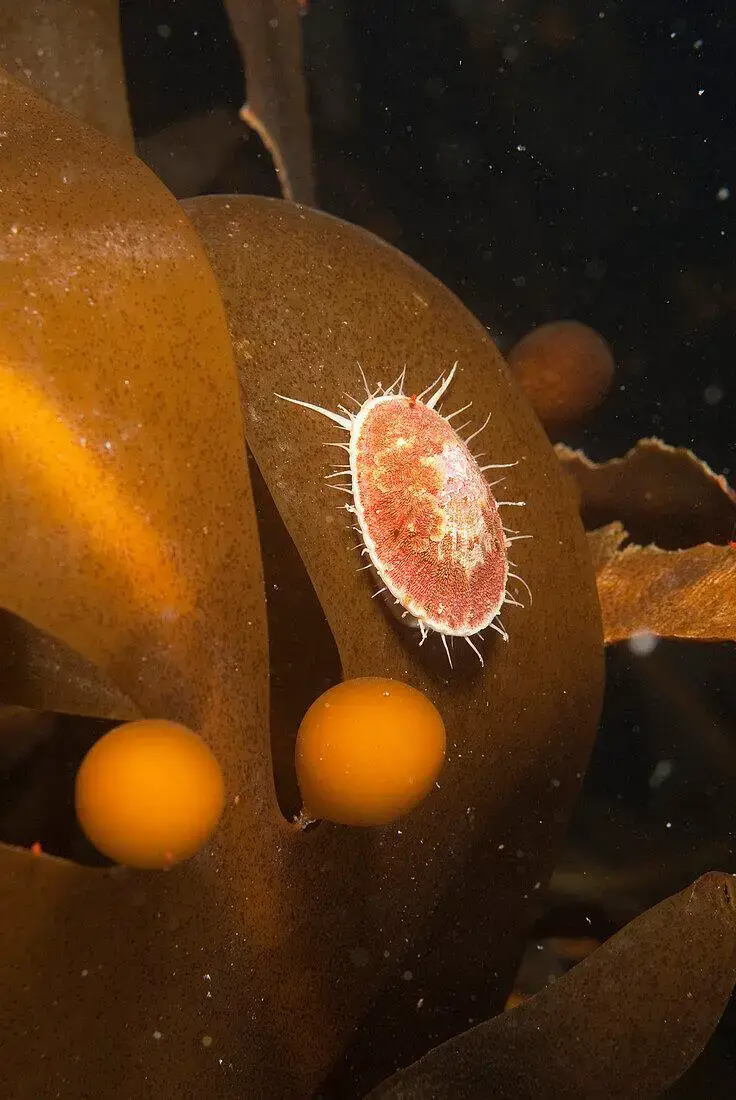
149,794
368,751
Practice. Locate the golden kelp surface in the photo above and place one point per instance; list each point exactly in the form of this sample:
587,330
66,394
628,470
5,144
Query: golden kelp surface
131,539
688,594
681,583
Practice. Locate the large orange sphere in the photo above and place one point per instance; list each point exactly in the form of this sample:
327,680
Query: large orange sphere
565,369
368,751
149,794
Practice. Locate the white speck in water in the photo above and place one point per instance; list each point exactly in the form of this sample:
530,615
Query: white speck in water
163,30
723,193
643,643
661,772
85,973
157,1035
713,394
408,975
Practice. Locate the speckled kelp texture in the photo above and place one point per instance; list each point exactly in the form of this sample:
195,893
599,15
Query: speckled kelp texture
308,298
130,536
69,51
40,672
626,1022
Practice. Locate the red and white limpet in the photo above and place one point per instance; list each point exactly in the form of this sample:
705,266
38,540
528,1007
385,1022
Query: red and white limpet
427,517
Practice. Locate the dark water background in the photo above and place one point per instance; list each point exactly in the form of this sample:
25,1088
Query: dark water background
545,160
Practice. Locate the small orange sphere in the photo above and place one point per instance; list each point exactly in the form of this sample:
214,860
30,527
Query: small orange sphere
149,794
566,369
368,751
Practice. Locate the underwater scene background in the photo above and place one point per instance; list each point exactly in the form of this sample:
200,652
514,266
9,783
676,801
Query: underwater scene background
545,160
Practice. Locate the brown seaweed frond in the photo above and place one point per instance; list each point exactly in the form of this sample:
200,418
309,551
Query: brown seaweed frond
268,33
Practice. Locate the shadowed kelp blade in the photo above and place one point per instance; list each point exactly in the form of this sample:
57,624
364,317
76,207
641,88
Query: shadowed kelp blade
309,298
626,1022
69,51
661,494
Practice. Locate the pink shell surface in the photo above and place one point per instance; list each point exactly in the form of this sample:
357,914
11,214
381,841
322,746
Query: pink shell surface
428,516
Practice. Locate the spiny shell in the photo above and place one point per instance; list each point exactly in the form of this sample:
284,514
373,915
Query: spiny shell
427,515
